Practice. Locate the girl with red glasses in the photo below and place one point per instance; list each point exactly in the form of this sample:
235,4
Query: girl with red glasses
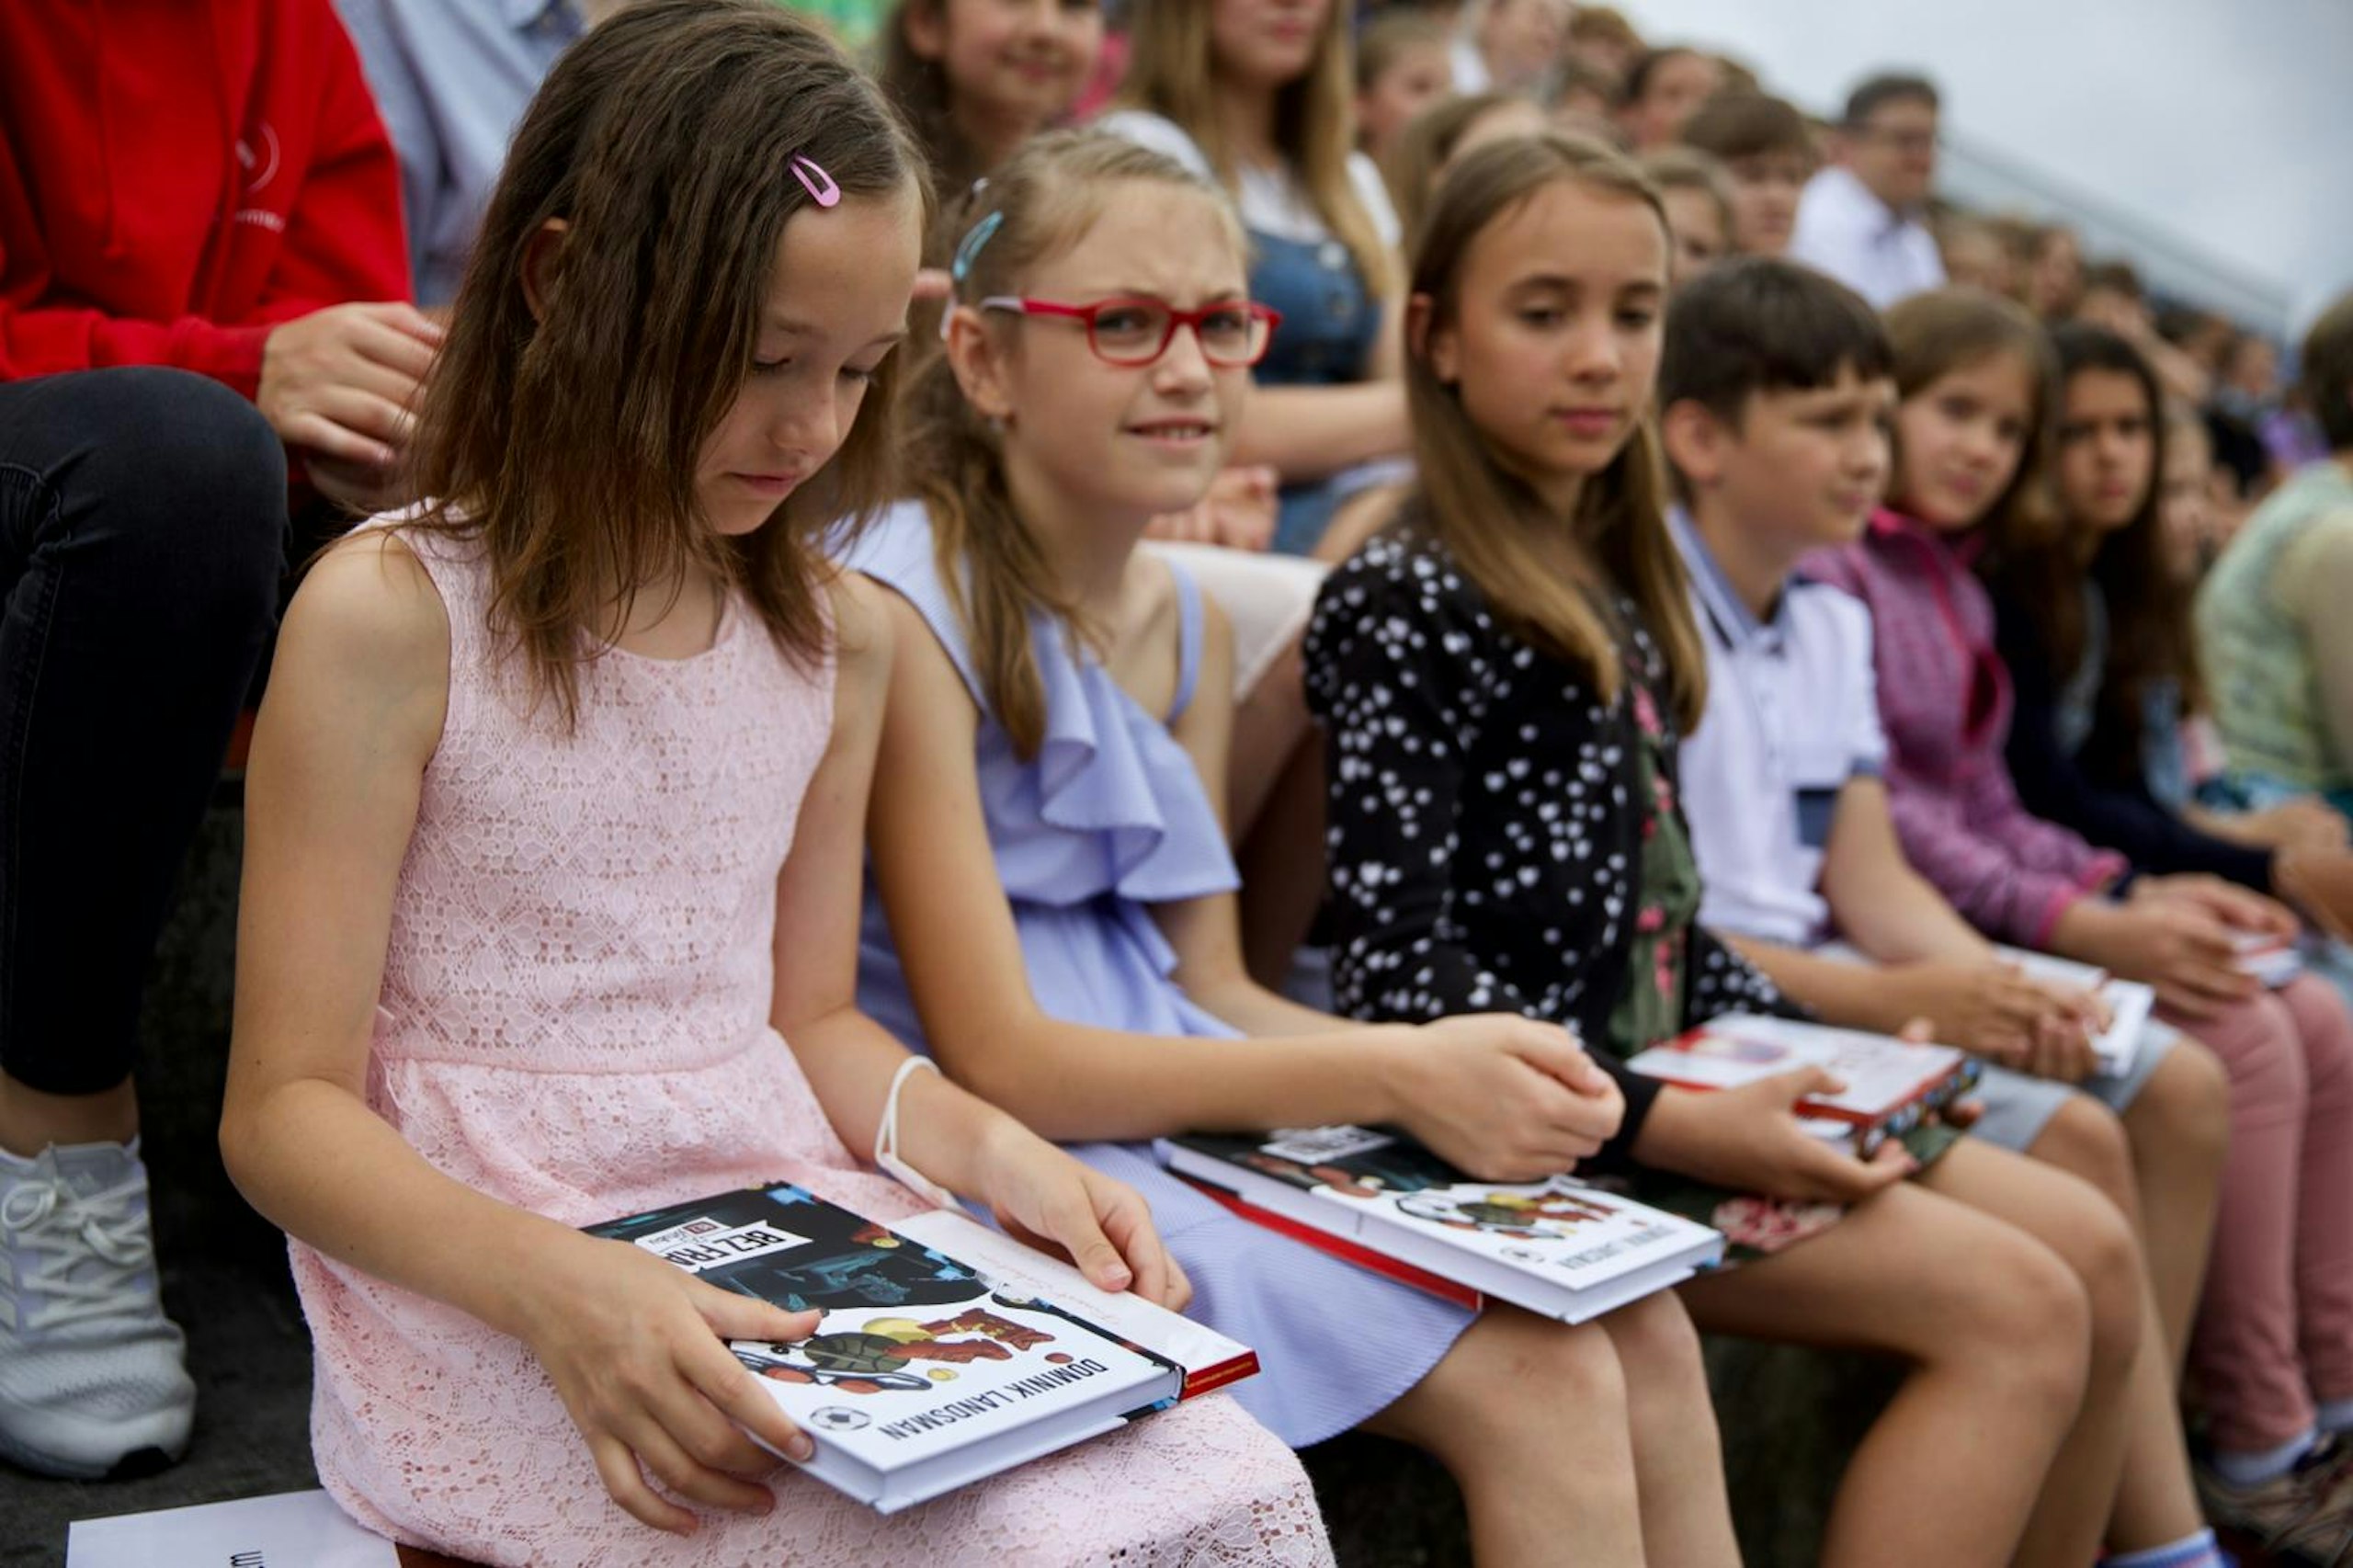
1051,903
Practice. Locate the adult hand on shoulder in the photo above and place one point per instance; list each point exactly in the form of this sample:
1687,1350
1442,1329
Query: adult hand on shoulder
637,1349
341,382
1748,1138
1042,1196
1504,1097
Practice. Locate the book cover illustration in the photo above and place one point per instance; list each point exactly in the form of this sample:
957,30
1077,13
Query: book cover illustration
1564,1229
916,1355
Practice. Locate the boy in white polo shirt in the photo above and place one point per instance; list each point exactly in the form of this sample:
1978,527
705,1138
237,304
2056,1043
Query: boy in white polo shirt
1775,400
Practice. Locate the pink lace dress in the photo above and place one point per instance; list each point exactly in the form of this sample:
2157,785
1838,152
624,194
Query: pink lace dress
574,1020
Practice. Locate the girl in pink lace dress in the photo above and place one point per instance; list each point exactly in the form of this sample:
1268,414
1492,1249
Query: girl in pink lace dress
555,817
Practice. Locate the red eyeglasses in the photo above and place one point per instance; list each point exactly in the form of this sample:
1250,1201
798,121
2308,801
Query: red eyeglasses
1233,334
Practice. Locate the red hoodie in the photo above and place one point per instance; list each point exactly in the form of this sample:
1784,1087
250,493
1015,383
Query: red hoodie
178,177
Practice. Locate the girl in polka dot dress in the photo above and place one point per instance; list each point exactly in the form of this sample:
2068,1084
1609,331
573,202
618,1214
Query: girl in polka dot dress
1052,905
1503,673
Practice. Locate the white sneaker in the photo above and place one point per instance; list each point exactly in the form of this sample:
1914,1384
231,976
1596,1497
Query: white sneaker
92,1373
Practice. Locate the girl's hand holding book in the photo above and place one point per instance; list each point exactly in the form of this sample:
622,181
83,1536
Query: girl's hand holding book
1503,1097
1987,1007
1747,1137
637,1350
1060,1205
2234,905
2177,944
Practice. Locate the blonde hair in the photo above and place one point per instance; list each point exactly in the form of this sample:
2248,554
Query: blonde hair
1487,518
1037,205
1170,72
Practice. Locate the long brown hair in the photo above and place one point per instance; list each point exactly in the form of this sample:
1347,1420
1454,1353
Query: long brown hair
1946,330
2043,573
1489,518
1037,205
566,442
1170,72
919,89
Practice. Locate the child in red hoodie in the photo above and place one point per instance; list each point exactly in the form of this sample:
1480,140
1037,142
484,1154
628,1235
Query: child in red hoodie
183,189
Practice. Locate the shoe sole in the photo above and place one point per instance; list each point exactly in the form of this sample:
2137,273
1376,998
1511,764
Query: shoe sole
137,1463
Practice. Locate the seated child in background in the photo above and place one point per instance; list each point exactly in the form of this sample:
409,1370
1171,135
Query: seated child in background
1401,68
1699,208
2273,1347
1768,149
555,822
1503,673
1774,393
2093,621
976,78
1581,99
1052,907
2272,629
1440,135
1665,87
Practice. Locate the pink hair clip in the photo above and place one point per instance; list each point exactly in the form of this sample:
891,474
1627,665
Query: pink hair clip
815,181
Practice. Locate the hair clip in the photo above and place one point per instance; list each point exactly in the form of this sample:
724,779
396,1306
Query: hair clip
821,189
969,251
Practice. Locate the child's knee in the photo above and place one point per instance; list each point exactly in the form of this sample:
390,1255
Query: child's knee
1514,1375
1656,1344
2182,1116
2027,1316
2084,1139
2258,1044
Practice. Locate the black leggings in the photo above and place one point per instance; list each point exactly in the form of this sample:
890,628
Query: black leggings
142,537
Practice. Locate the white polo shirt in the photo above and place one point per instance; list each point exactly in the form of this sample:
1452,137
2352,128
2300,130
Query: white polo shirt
1792,714
1880,254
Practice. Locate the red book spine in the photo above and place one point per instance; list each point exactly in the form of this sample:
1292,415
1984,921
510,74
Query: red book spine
1445,1289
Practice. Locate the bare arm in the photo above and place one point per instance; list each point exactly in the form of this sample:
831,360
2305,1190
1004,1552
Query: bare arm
1882,905
1309,433
354,713
958,944
948,1134
1493,1095
1207,932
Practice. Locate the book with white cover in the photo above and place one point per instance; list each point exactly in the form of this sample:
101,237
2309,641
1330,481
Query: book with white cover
1559,1248
292,1529
2273,961
1890,1084
924,1373
1210,1359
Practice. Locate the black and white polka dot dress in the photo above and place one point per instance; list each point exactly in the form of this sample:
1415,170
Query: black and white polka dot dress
1489,812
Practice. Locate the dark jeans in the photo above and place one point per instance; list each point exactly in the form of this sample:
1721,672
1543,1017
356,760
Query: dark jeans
142,526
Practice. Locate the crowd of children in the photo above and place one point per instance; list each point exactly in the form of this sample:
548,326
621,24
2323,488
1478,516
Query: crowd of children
1402,562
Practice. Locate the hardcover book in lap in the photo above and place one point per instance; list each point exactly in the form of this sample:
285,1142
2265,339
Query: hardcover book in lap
925,1372
1558,1247
1890,1085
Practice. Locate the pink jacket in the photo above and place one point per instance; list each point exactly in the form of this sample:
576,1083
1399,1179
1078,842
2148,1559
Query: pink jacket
1944,698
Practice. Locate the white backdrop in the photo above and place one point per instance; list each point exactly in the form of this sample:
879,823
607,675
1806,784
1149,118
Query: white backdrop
2227,125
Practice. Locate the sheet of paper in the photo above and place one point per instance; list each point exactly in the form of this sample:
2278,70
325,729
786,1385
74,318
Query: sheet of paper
294,1529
